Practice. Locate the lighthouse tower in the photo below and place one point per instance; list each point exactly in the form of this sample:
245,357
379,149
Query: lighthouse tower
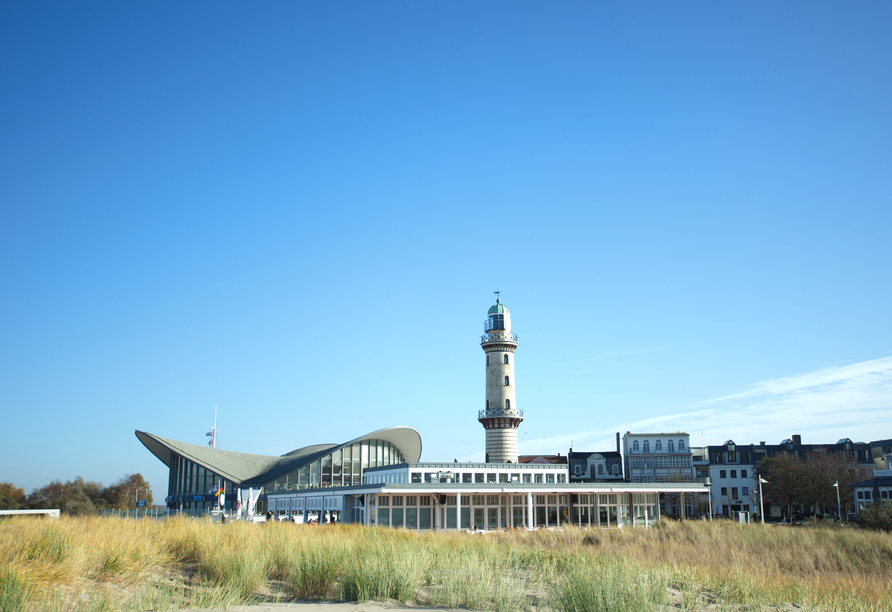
501,417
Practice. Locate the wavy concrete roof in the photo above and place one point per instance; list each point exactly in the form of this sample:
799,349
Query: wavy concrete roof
257,470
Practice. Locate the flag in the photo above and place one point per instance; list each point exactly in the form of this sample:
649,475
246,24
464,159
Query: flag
213,490
222,494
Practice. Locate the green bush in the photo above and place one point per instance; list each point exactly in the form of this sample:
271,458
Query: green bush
876,516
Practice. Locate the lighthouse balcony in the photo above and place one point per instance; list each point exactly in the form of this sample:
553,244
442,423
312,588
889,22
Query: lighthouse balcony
483,414
498,337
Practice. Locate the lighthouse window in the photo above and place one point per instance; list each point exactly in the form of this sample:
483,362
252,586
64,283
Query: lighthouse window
487,404
495,321
507,382
507,404
506,357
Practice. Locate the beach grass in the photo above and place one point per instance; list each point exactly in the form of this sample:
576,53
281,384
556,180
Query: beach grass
95,564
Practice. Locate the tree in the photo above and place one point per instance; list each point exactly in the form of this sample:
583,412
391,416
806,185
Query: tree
11,497
87,497
127,492
786,482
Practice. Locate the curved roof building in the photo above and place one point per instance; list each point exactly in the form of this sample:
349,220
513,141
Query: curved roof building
195,470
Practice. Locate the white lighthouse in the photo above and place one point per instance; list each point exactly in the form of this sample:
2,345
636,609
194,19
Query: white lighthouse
501,416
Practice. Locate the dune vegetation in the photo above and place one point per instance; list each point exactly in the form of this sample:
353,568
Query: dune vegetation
98,564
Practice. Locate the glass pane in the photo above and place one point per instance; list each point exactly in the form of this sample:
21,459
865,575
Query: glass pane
397,517
411,518
424,518
383,517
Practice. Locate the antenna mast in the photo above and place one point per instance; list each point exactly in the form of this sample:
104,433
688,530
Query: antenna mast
212,434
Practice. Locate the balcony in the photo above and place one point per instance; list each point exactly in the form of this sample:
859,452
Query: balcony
488,414
509,337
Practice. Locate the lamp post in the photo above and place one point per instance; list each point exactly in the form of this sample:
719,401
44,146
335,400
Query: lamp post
761,501
838,505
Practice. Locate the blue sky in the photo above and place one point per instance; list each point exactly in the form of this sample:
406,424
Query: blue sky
299,212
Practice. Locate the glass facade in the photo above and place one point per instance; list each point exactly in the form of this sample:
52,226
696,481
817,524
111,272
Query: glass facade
340,468
192,486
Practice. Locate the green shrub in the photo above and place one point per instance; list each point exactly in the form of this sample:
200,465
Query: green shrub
876,516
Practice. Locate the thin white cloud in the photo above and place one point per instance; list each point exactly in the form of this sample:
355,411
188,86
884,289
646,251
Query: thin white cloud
843,401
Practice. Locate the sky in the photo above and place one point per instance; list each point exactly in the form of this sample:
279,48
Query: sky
299,212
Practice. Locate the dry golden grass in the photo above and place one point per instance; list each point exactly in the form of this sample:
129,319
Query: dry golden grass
119,564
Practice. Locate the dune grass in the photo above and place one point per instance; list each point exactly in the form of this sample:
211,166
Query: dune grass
97,564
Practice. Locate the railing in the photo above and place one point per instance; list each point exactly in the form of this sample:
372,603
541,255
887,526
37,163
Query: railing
499,413
510,337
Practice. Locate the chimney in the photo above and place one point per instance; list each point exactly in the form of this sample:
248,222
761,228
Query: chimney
618,447
797,439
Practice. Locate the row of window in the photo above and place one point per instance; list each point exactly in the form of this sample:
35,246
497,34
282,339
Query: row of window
493,478
517,500
743,491
507,401
661,461
658,445
868,494
723,473
577,469
504,359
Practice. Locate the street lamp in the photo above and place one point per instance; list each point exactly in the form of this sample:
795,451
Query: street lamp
838,505
761,502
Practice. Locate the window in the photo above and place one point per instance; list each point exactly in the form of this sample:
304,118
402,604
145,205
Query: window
478,478
538,478
487,405
503,478
743,473
681,445
424,500
562,478
724,490
507,404
416,477
744,491
635,445
487,360
411,500
671,446
507,382
734,492
577,469
658,445
723,474
490,478
506,357
383,501
646,446
527,478
549,478
397,500
733,473
600,469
